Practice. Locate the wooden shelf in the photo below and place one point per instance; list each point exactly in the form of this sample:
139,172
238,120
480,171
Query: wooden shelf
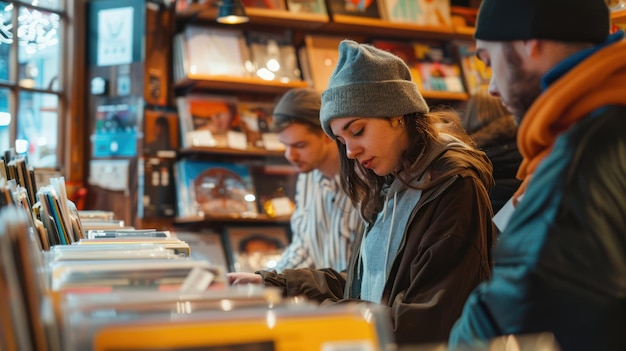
241,84
258,16
206,150
444,95
287,19
335,24
465,31
367,26
619,17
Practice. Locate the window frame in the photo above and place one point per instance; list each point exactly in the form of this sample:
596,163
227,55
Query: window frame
67,84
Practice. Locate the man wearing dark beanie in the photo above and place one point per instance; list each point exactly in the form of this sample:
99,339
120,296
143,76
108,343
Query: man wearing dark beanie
324,223
560,262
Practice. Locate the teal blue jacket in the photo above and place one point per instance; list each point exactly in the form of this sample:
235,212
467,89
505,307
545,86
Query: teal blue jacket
560,265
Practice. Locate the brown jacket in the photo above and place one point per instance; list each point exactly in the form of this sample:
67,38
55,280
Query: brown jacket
443,256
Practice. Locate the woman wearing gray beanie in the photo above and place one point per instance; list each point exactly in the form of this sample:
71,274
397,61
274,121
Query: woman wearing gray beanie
423,190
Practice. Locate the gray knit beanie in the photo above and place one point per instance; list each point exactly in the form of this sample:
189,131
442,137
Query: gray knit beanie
369,82
301,104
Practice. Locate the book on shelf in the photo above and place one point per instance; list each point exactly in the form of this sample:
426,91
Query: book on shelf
205,245
114,251
257,122
19,169
341,327
465,16
179,247
404,50
159,27
359,8
54,218
475,73
160,136
23,303
419,12
209,51
307,6
91,318
156,188
58,215
319,55
265,4
210,188
100,276
437,67
273,56
180,59
3,169
211,121
96,215
125,233
256,248
275,188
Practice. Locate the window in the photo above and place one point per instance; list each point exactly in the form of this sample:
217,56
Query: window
31,79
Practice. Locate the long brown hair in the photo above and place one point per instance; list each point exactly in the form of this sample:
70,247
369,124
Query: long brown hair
364,187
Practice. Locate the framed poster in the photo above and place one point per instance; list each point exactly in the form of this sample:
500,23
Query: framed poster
115,30
255,248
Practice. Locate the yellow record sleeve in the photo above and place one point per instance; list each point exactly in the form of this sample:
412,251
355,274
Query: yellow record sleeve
331,331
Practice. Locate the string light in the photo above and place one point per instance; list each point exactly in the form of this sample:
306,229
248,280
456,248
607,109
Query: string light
36,30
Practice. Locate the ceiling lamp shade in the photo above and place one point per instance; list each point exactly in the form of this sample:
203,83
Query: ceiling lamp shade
231,12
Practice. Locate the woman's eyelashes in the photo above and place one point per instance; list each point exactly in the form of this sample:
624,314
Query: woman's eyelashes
359,132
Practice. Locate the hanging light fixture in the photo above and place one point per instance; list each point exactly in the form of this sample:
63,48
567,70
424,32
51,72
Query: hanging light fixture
231,12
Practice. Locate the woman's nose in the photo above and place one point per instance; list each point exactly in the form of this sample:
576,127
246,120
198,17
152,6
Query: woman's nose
351,151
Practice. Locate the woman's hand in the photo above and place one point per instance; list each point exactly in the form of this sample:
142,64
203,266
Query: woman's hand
244,278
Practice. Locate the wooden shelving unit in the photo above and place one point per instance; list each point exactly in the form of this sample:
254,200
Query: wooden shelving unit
219,151
336,24
354,27
323,24
241,84
619,18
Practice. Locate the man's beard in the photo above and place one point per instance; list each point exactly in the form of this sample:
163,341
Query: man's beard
525,86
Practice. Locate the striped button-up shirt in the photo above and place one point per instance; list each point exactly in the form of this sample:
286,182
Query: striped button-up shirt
323,225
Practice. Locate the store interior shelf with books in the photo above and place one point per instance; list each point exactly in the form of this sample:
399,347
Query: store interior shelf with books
226,79
435,25
204,150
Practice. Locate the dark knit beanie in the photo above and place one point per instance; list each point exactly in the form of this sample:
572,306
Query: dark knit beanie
300,104
369,82
560,20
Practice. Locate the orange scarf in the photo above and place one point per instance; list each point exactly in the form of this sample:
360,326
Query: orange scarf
598,81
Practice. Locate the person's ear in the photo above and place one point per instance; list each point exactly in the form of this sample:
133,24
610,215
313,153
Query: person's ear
532,48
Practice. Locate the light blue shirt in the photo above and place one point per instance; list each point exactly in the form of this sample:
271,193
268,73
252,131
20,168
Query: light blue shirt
382,241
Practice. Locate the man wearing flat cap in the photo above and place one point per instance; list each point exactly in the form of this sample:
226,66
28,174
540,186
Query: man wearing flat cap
325,222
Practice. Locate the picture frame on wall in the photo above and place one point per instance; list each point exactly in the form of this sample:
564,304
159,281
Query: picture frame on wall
212,188
307,6
255,248
160,133
366,8
206,245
